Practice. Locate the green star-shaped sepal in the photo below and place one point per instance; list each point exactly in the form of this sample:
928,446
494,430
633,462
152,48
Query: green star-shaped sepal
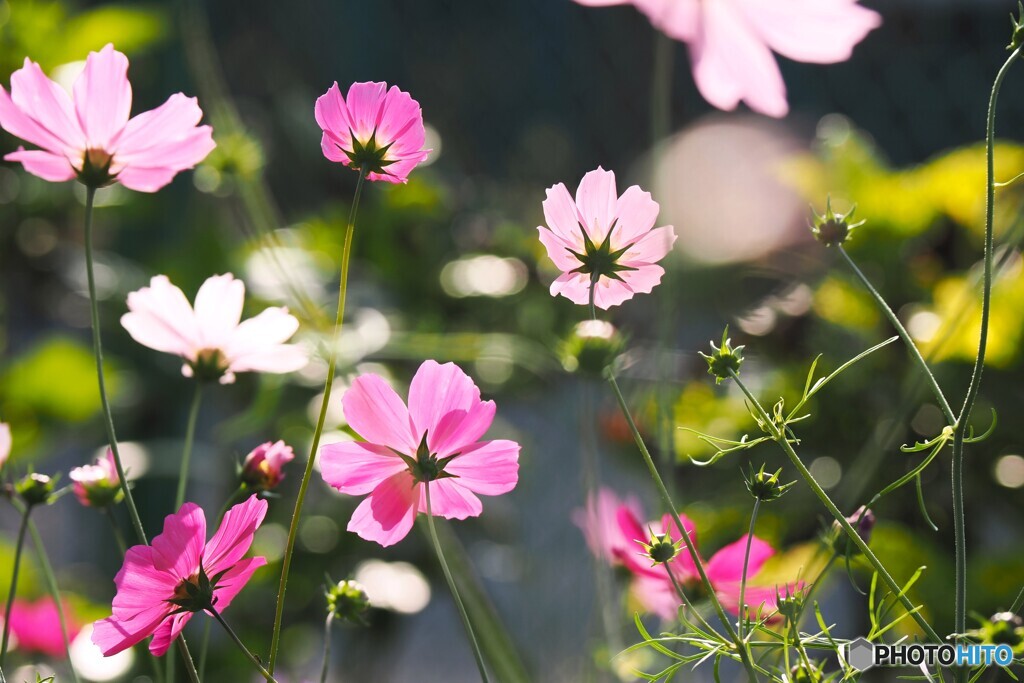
368,156
597,261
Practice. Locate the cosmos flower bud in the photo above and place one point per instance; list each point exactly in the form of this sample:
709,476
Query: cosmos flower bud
724,359
791,602
863,520
833,228
262,469
591,347
347,600
35,489
97,485
766,487
661,549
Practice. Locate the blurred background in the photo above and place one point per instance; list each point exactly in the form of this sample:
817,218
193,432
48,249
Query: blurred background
518,96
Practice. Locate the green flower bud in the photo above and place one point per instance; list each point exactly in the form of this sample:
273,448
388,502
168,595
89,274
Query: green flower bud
833,228
766,487
347,600
1017,24
35,489
1002,628
790,605
591,347
724,359
810,672
661,549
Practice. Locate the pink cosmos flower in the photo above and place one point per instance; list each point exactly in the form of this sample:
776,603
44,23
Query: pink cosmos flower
88,134
262,469
210,338
602,235
435,440
97,485
373,129
731,41
599,522
5,443
162,585
36,627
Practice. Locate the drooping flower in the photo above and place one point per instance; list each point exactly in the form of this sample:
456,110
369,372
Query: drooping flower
87,134
731,41
373,129
36,626
435,440
5,443
604,236
162,585
262,469
97,485
210,338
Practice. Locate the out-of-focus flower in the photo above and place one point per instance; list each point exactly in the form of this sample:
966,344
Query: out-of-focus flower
435,440
833,228
5,443
731,41
347,600
212,339
36,627
162,585
262,469
591,347
373,129
601,236
599,522
88,134
97,485
35,488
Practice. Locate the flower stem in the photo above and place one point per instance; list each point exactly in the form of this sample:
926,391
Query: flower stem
238,641
186,451
959,523
14,582
685,600
779,436
453,588
904,335
346,253
746,562
327,647
118,536
204,649
186,656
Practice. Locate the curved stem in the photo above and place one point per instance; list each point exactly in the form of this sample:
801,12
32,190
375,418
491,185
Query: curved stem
780,438
904,335
959,523
327,647
186,451
685,600
238,641
453,588
746,561
97,347
346,253
14,583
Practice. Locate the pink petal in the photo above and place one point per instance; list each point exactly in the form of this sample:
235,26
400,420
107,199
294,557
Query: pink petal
731,63
643,280
177,550
822,31
489,468
458,431
679,19
172,121
112,635
364,101
103,96
611,292
635,212
629,553
218,310
650,248
45,165
161,318
48,104
21,124
234,536
561,216
357,468
657,595
596,200
333,148
5,442
234,580
600,525
166,632
441,398
758,598
331,114
400,123
558,250
573,286
399,171
451,500
140,585
145,179
726,565
280,359
377,414
257,344
387,514
36,626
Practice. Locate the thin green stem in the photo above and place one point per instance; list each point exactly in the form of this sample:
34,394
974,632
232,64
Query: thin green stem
238,641
12,591
746,561
327,647
453,588
779,437
238,493
293,529
186,451
685,600
97,347
186,656
959,522
807,598
904,335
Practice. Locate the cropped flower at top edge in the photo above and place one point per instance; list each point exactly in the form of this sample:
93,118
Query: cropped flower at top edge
88,133
435,439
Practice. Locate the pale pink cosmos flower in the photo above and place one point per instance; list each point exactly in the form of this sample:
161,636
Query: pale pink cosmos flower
212,339
373,129
97,485
731,41
5,443
435,440
88,134
36,626
262,469
602,235
599,522
152,597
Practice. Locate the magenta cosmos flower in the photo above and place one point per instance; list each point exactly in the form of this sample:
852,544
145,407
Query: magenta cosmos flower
211,338
162,585
731,41
262,469
373,129
88,134
36,626
604,236
435,440
97,485
5,443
